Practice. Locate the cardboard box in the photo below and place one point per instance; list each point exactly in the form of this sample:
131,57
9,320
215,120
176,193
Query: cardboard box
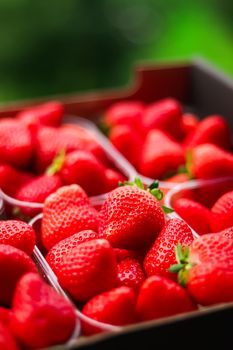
201,89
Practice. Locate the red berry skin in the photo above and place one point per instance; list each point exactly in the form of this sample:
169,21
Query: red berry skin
210,161
194,213
130,218
65,212
228,232
36,191
162,255
128,141
5,316
17,234
13,264
88,269
211,282
41,317
189,123
130,273
7,341
122,254
84,169
212,129
222,213
161,297
15,143
49,113
8,179
63,247
160,155
112,179
115,307
164,115
125,113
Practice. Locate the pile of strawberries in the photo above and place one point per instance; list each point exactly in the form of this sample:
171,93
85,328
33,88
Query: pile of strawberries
39,154
160,140
127,260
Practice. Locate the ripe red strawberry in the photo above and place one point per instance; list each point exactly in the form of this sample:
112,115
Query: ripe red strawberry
130,218
116,307
112,179
164,115
84,169
222,213
65,212
41,317
13,264
63,247
213,129
210,161
194,213
189,123
128,141
160,155
162,255
36,191
130,273
161,297
5,316
88,269
7,341
17,234
122,254
49,113
228,232
15,143
124,113
206,269
8,179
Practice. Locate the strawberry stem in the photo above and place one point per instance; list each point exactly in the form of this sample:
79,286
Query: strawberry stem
183,266
56,164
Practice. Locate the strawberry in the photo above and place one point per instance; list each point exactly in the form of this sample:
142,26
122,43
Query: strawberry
176,179
130,273
8,179
15,143
212,129
116,307
41,317
206,269
88,269
65,212
49,113
63,247
7,341
161,297
131,217
189,123
228,232
13,264
17,234
210,161
222,213
124,113
128,142
86,170
122,254
160,155
112,179
5,316
36,191
194,213
161,255
165,115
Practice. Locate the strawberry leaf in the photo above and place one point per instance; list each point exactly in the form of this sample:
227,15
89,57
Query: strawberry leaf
57,163
157,193
138,183
175,268
154,184
167,210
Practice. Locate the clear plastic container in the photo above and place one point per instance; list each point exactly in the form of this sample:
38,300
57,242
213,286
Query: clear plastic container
205,192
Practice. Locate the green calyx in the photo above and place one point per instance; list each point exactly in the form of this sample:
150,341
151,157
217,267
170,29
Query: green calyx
56,164
183,265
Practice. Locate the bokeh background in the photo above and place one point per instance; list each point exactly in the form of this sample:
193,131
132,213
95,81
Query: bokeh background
50,47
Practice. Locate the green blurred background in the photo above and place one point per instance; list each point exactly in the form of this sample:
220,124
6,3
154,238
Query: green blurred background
58,46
